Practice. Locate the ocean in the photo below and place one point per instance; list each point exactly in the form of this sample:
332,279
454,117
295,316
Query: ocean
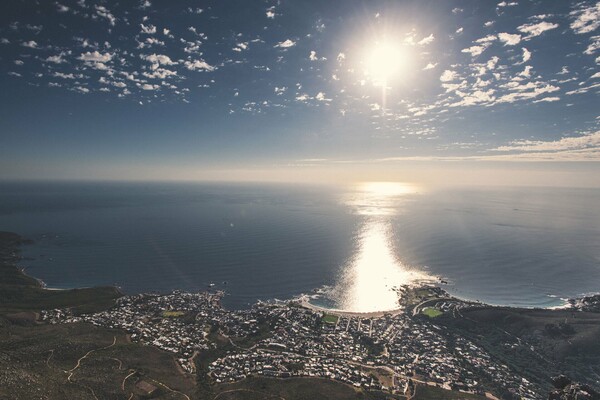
349,246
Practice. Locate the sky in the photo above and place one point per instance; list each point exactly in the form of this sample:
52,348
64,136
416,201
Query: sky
301,90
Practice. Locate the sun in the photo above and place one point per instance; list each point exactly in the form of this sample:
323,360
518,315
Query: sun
384,62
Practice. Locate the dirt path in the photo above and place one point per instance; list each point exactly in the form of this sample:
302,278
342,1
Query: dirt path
72,370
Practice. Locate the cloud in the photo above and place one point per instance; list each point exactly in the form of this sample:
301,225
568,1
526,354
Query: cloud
475,50
448,75
105,13
32,44
149,30
62,8
321,97
148,86
63,75
533,30
526,91
491,64
586,19
593,46
198,65
95,57
313,56
58,59
587,141
430,66
270,13
158,59
426,40
526,55
547,100
509,39
159,73
286,44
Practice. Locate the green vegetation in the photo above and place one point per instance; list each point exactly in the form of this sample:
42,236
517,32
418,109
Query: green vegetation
431,312
330,319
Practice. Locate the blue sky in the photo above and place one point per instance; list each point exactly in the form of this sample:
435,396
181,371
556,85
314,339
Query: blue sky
174,89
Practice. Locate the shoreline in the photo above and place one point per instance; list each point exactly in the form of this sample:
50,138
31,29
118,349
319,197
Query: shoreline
304,298
304,302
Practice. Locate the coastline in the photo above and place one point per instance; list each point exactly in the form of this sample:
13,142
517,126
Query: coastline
11,243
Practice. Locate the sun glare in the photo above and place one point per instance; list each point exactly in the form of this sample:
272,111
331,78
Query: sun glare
385,61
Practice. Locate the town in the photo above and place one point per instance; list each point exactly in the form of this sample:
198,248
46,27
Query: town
283,339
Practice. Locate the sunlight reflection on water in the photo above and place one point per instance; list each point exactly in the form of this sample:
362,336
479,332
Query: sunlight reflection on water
368,278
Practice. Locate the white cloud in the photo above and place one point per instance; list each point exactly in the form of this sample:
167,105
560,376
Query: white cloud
62,8
526,72
509,39
149,30
286,44
488,24
587,141
486,39
198,65
448,75
148,86
159,73
475,50
476,97
95,57
313,56
270,12
32,44
547,100
526,55
491,64
586,18
457,10
533,30
63,75
105,13
158,59
459,30
507,4
58,59
430,66
593,46
426,40
526,91
321,97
